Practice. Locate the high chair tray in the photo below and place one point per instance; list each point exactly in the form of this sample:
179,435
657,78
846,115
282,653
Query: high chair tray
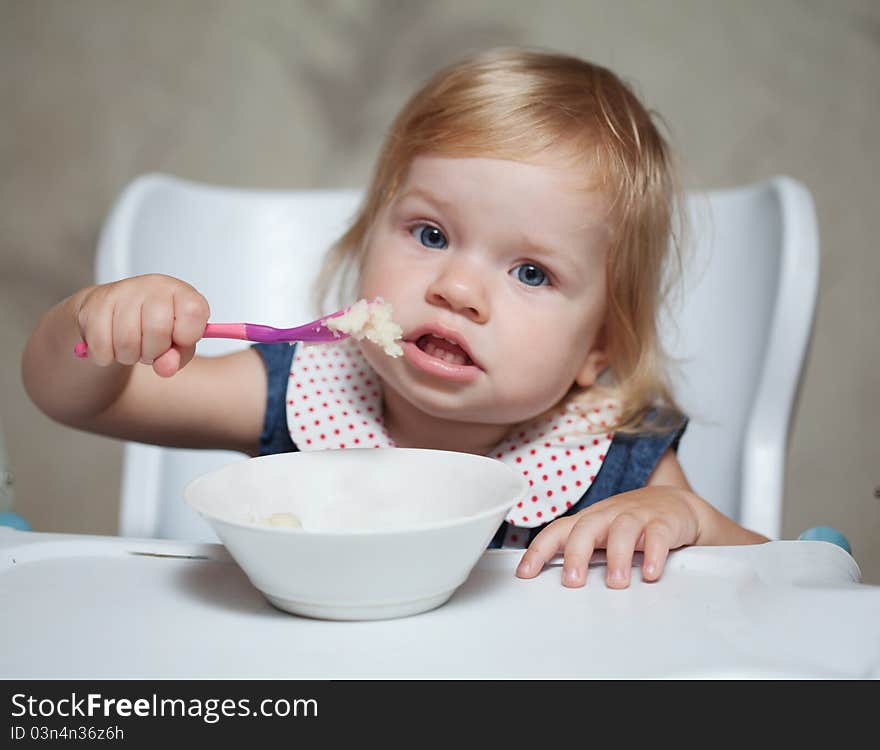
110,607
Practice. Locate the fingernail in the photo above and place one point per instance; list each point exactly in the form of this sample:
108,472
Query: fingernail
650,569
618,576
525,568
572,575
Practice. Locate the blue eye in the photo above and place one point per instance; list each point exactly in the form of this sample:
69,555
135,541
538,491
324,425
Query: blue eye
530,275
430,236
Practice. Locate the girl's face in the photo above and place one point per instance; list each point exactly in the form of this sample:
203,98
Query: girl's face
495,271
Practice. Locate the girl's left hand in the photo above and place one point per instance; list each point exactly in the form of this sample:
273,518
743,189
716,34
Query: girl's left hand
653,519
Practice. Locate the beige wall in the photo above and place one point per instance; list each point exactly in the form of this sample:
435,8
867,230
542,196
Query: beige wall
285,94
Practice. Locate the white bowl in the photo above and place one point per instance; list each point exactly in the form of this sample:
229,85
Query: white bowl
386,532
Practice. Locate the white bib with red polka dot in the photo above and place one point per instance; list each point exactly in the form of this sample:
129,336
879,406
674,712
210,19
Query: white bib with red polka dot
334,400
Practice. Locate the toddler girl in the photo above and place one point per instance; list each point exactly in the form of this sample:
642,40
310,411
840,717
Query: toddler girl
518,222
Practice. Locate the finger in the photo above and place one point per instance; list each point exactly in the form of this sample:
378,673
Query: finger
623,536
99,333
579,549
543,547
168,363
157,323
656,550
191,313
127,333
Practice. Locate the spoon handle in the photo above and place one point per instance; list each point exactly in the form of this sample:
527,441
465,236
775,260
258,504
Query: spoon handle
314,333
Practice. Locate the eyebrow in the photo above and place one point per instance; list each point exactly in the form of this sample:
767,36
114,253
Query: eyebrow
426,195
547,254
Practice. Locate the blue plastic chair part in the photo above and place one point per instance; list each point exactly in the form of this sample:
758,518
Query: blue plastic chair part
14,520
826,534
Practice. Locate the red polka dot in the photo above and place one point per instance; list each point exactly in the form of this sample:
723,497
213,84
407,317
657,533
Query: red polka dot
534,498
552,508
549,493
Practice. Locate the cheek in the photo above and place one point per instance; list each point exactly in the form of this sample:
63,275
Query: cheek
548,351
376,278
389,282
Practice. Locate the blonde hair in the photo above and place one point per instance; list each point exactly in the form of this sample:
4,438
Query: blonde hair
517,104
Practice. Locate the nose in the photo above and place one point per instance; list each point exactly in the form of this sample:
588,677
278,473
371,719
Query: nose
459,286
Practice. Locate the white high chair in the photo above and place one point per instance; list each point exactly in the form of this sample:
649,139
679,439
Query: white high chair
740,332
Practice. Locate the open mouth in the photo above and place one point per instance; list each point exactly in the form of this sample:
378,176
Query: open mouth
441,348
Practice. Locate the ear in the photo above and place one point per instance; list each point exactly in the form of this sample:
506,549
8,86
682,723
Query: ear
596,361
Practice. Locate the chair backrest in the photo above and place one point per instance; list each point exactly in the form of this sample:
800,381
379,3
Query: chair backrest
740,332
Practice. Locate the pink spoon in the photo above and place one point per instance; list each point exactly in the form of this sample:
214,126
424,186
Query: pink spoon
315,332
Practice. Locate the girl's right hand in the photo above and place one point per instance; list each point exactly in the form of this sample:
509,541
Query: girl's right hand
152,319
